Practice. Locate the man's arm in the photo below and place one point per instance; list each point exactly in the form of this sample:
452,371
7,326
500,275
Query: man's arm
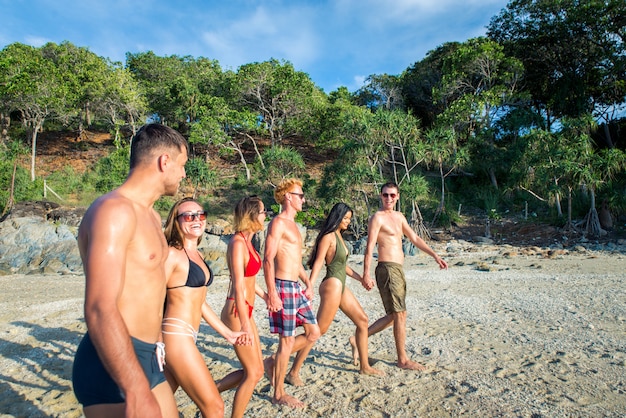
373,228
274,232
421,244
110,229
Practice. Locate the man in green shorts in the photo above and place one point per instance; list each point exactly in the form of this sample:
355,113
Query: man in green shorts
386,228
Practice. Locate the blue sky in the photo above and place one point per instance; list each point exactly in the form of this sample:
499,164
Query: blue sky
338,43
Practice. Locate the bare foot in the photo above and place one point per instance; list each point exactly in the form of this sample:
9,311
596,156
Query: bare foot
268,367
411,365
289,401
355,352
371,371
294,380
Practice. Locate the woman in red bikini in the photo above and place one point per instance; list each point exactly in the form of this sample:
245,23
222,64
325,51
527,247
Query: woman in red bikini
244,262
188,278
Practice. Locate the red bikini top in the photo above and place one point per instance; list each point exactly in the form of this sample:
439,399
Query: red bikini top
254,264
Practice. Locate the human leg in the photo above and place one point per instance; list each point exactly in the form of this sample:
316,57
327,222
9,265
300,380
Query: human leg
188,367
399,334
251,360
384,275
166,400
285,345
330,296
376,327
353,310
283,323
231,320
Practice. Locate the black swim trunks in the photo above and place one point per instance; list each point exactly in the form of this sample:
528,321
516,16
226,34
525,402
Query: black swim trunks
92,383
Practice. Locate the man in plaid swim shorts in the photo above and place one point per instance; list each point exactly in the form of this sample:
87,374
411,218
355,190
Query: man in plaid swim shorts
288,303
296,309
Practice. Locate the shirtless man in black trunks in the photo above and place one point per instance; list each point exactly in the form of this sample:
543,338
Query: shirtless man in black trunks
116,369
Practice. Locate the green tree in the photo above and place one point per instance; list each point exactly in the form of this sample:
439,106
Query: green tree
277,92
381,91
563,162
573,53
84,76
176,87
419,81
228,129
377,147
122,103
479,84
443,151
30,85
199,173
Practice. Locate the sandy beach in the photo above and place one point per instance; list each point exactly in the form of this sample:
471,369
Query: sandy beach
503,332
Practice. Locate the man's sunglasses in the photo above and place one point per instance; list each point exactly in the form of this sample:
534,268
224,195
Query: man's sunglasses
190,216
391,195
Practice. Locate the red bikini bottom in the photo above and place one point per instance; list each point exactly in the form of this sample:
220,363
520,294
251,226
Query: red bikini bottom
250,308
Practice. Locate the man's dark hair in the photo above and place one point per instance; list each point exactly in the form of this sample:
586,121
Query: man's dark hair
389,185
151,137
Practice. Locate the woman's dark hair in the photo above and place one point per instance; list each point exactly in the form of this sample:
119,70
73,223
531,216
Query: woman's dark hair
331,223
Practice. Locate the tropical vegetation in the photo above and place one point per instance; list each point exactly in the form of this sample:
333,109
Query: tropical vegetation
532,114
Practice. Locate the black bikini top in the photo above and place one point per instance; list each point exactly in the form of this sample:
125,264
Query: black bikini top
196,276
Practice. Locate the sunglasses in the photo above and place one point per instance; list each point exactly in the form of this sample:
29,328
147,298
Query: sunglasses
300,195
391,195
190,216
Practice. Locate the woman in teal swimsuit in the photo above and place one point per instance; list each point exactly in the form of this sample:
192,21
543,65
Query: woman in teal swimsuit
330,249
188,278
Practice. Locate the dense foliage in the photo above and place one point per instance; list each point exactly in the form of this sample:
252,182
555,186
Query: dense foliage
531,114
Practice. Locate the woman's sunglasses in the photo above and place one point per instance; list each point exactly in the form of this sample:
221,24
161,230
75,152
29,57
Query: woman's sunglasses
190,216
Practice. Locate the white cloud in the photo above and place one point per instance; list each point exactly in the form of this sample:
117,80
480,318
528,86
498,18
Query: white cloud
359,81
264,34
36,41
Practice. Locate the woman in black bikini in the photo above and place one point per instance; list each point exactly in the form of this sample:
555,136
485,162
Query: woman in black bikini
188,277
331,250
244,262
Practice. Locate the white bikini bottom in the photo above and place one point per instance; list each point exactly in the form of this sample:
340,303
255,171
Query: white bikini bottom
180,328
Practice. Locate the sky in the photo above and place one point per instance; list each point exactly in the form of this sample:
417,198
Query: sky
337,43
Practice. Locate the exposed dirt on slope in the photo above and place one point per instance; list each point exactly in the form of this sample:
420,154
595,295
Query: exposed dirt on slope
57,150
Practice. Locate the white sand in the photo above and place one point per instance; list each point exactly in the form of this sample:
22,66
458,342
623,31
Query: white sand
532,337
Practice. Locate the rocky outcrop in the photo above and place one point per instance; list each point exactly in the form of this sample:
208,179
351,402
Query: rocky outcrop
35,245
40,237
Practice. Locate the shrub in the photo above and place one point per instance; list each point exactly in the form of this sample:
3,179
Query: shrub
199,173
280,163
111,171
24,188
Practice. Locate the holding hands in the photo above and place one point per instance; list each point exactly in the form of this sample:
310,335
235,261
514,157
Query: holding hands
240,338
